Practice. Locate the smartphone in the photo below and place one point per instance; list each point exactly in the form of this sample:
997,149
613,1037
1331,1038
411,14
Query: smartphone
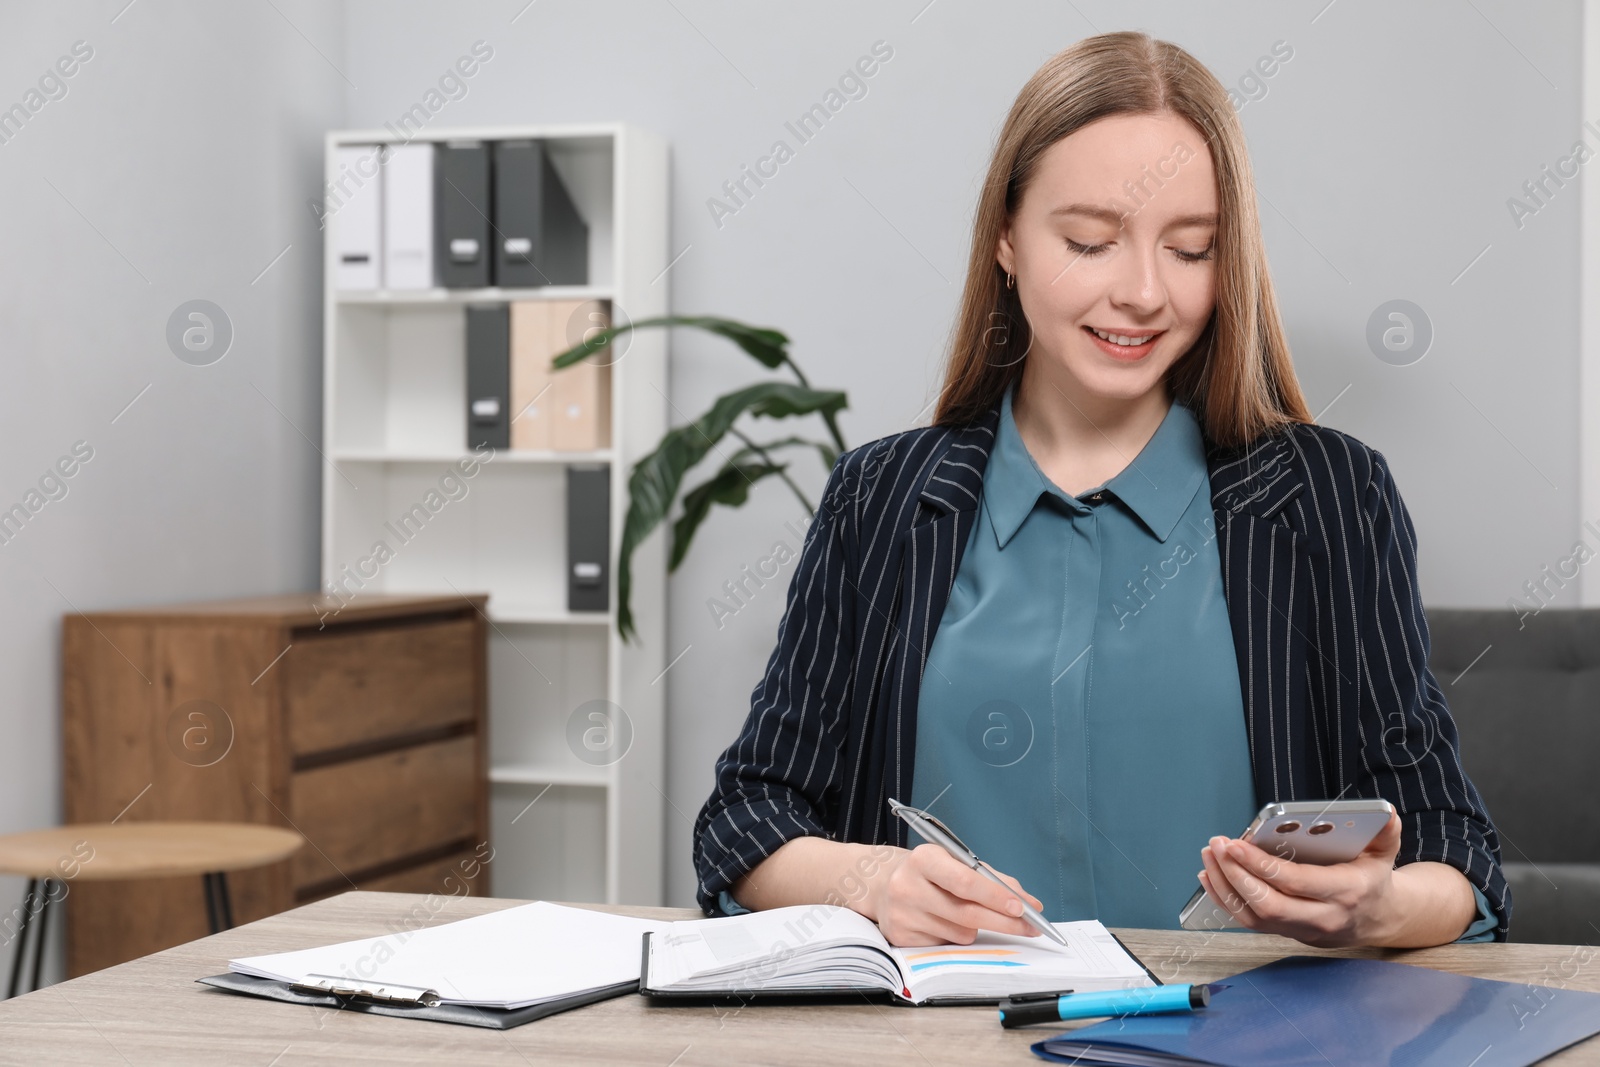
1301,831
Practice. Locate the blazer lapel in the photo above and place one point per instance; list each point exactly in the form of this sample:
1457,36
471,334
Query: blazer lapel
930,553
1265,576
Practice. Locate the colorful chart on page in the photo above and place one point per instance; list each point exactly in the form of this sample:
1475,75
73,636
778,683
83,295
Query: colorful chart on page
963,957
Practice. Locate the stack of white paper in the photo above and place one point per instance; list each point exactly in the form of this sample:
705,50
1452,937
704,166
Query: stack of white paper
507,959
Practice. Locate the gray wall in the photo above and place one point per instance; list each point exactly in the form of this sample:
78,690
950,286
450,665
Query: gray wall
176,167
185,149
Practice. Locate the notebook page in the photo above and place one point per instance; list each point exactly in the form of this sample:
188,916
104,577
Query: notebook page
997,965
506,959
802,946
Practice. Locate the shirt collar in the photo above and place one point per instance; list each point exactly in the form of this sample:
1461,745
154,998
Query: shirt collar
1156,486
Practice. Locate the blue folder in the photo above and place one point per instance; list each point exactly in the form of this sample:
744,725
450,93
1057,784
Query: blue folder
1326,1012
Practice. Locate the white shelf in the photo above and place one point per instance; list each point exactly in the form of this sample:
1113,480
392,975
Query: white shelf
472,296
401,515
571,132
525,615
591,777
378,455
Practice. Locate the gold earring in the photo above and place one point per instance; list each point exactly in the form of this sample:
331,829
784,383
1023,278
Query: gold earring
1011,280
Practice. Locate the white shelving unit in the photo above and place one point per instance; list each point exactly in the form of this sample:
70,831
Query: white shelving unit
394,424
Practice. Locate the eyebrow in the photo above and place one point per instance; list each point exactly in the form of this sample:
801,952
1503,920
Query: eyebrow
1106,214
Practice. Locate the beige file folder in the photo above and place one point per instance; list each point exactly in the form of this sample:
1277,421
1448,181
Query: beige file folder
580,411
532,381
568,410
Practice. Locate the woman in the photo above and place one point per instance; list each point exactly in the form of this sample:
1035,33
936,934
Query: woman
1122,592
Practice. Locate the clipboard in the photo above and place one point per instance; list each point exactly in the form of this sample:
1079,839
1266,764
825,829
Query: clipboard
404,1002
496,970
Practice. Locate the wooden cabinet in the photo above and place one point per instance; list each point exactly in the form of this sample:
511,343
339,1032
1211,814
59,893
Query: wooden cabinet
361,726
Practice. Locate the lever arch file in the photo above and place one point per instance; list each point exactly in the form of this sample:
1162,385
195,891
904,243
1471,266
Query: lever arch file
408,217
532,380
580,395
461,247
540,238
588,535
488,376
355,208
568,410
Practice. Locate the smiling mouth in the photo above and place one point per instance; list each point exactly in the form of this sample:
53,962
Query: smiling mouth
1125,340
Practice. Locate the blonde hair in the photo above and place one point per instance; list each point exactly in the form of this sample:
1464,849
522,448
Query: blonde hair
1238,376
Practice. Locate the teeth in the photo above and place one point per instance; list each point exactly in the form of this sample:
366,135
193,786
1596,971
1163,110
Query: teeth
1121,339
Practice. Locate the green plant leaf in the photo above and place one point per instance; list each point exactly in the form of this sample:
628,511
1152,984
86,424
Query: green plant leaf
829,454
654,481
730,487
768,347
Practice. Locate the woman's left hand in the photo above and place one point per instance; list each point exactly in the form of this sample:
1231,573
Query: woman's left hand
1337,906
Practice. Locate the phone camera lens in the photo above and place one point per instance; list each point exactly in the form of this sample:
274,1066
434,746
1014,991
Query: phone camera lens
1320,828
1287,827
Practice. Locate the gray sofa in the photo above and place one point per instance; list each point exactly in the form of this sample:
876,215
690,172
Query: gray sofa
1528,711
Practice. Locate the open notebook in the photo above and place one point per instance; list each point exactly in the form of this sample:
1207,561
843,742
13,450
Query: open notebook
822,949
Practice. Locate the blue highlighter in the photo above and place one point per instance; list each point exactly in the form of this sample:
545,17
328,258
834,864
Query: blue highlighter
1052,1007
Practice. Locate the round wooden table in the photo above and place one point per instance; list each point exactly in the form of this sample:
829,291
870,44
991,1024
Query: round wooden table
110,851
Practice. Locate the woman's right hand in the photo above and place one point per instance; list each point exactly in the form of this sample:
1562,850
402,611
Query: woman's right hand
928,897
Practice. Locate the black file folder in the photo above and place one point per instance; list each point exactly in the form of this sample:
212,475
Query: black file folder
539,237
1314,1011
461,246
588,537
489,376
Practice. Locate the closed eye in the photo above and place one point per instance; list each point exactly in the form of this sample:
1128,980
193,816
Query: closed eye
1090,251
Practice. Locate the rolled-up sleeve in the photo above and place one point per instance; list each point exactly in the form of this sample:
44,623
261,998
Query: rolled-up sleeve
780,779
1410,753
1483,926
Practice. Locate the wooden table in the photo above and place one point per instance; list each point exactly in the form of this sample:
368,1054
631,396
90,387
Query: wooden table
152,1011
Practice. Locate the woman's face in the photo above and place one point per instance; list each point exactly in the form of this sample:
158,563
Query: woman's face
1114,236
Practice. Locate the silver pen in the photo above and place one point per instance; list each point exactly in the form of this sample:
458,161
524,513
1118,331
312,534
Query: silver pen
933,831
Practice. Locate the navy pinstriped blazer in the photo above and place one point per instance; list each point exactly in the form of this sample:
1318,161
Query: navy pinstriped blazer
1318,561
